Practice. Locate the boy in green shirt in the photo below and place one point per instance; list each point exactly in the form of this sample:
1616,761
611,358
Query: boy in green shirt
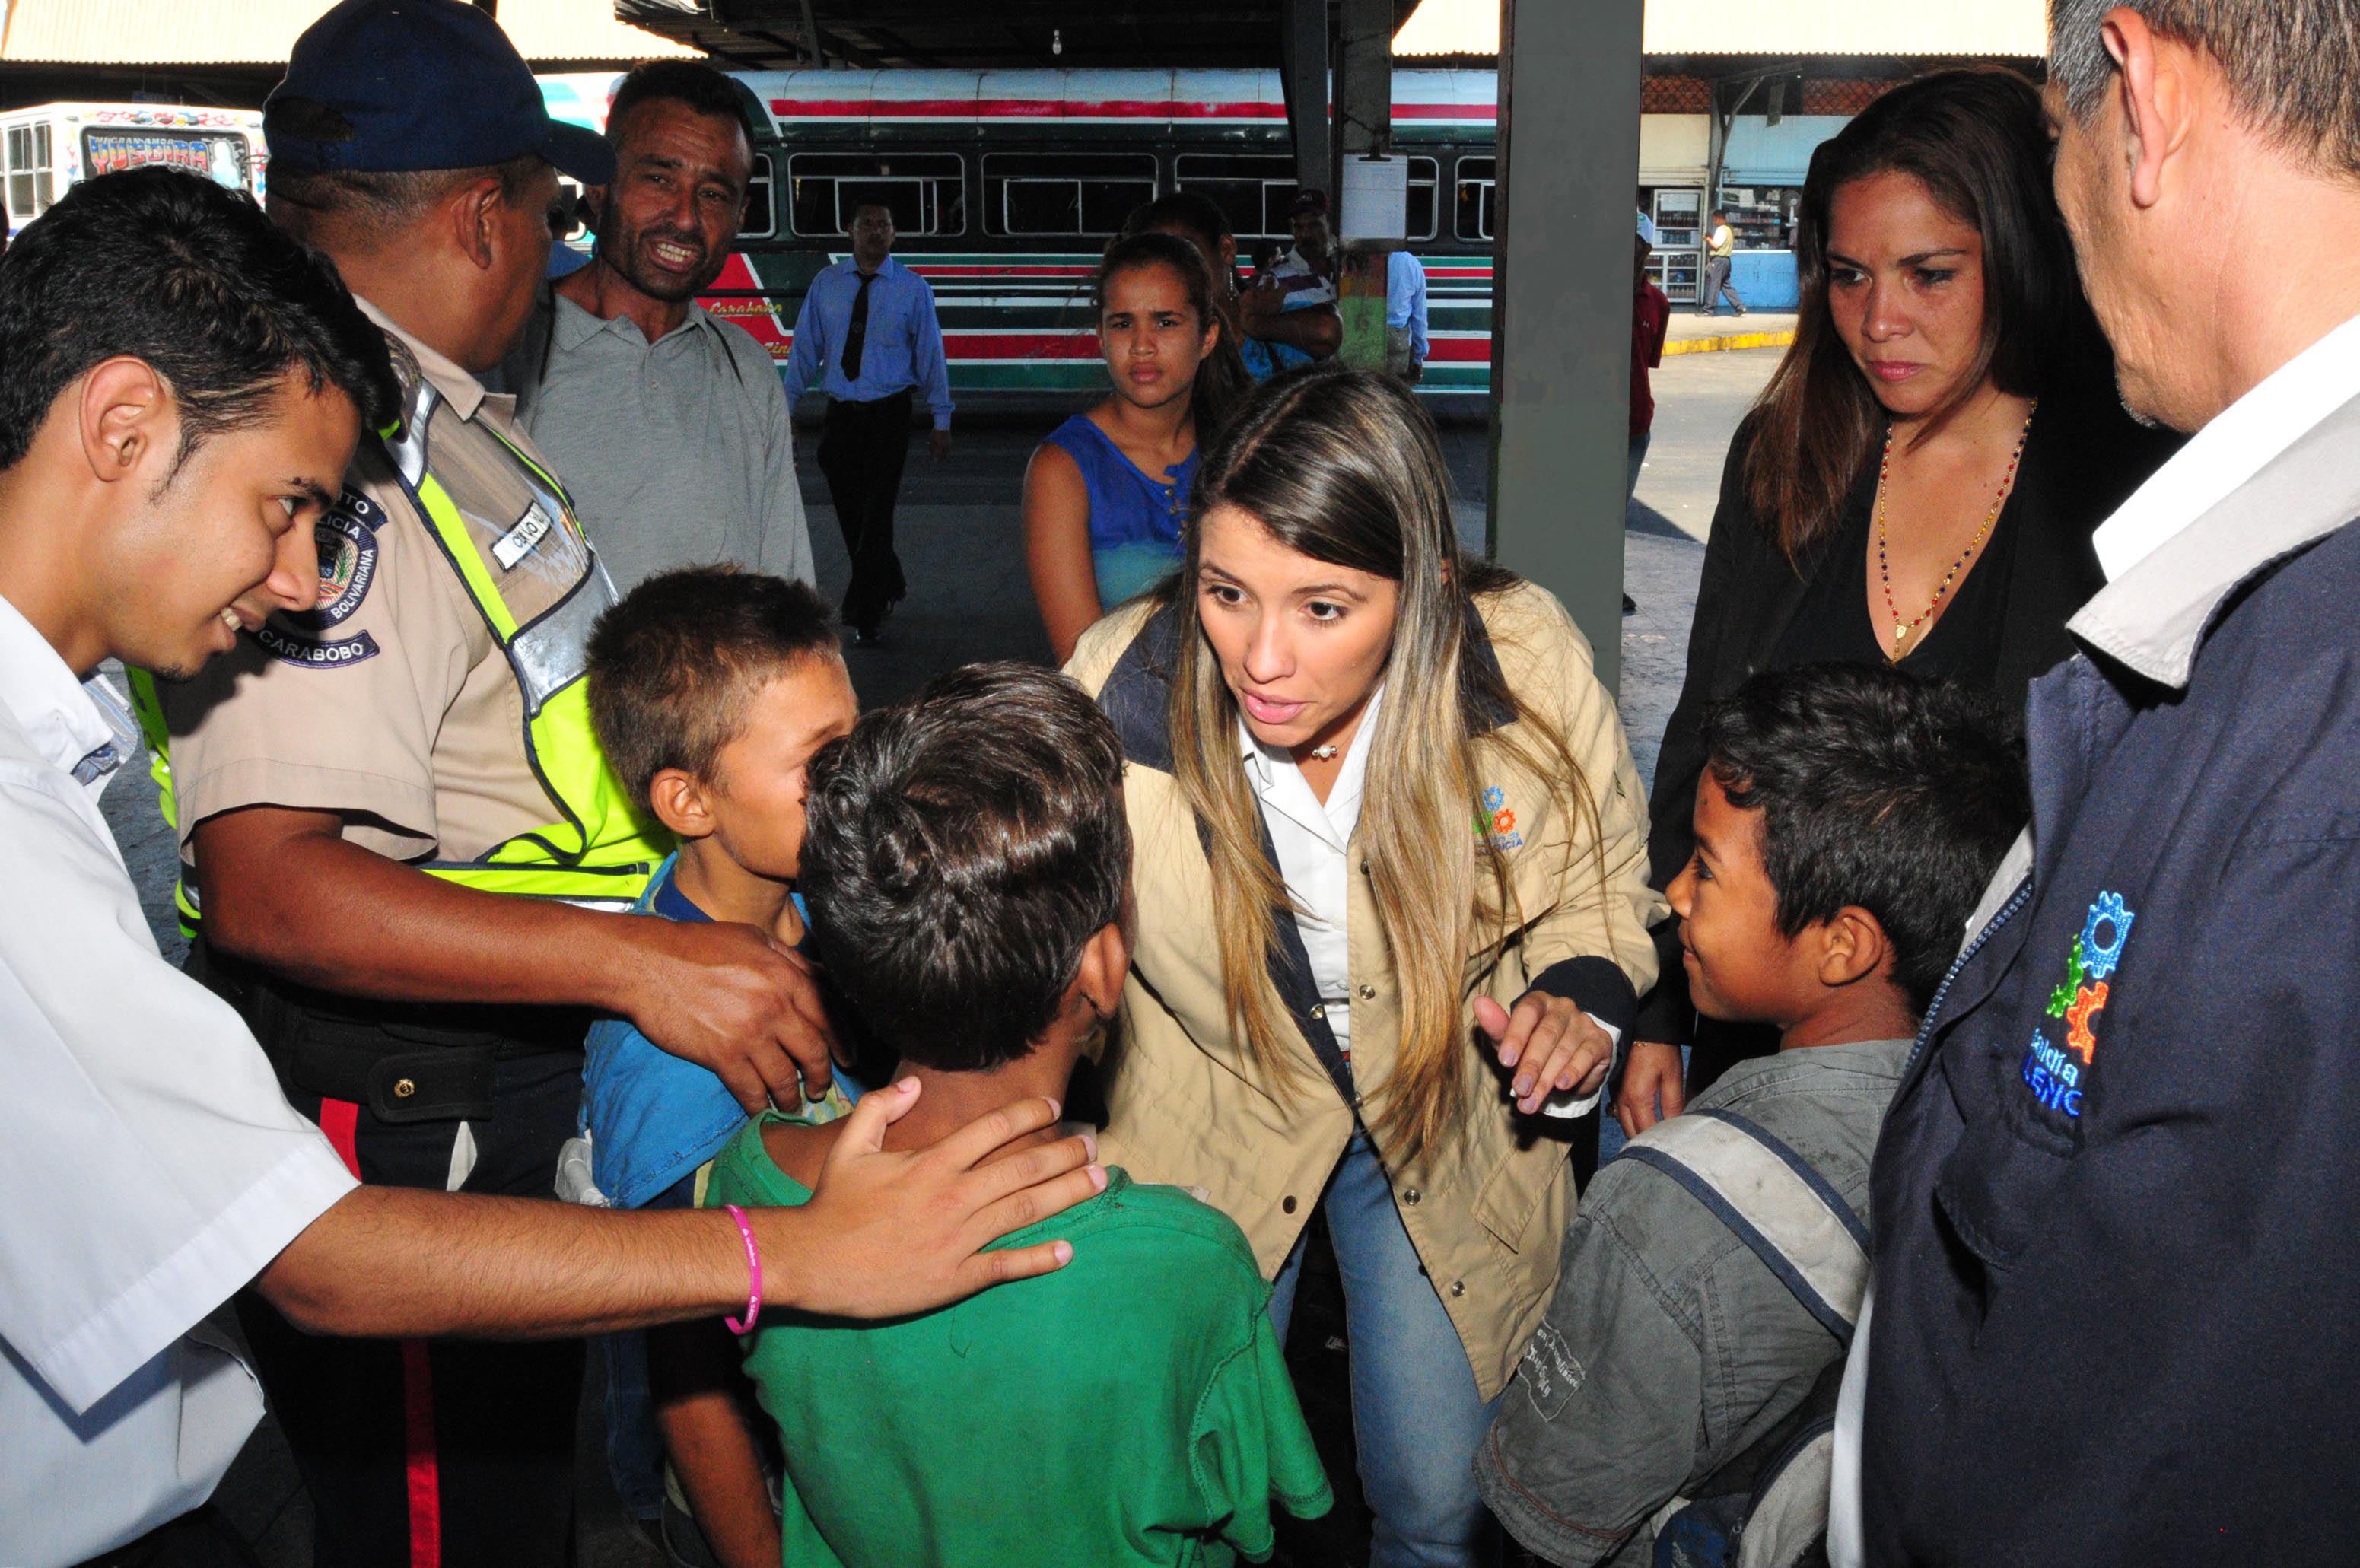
966,863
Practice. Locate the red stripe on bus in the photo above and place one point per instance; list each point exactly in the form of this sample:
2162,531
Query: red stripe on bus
919,266
1012,109
1020,345
1059,109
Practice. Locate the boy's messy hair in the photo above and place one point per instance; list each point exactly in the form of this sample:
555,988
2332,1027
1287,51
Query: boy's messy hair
959,853
1876,789
673,667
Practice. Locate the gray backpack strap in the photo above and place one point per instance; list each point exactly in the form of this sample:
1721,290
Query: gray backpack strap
1777,1203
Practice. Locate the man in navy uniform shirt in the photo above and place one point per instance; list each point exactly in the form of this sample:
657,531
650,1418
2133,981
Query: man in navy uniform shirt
2114,1257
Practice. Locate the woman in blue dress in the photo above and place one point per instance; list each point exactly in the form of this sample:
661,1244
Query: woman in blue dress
1105,495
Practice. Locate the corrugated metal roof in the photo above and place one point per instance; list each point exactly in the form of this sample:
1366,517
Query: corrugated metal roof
1984,28
260,32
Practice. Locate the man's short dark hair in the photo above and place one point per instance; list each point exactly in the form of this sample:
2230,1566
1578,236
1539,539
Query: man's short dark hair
688,83
673,665
2294,65
959,854
1876,789
380,204
169,268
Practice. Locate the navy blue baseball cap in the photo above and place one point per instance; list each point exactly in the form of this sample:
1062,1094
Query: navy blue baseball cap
425,85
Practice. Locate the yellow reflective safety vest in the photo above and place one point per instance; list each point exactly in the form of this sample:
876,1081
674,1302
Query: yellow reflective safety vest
596,852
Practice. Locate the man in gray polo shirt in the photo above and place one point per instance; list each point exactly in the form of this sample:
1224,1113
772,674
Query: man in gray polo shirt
670,427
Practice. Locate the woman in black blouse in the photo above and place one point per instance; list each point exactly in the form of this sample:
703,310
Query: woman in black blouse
1919,481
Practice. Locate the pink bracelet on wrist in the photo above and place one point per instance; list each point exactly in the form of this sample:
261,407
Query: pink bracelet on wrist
753,1268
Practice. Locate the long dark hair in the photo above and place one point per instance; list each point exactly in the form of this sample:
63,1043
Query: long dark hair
1977,141
1222,381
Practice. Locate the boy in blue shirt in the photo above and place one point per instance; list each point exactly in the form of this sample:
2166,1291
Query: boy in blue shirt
710,690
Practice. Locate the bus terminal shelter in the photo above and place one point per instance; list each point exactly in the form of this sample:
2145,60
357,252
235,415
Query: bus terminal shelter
1569,78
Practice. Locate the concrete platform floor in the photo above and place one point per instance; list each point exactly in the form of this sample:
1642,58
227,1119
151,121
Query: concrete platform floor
961,550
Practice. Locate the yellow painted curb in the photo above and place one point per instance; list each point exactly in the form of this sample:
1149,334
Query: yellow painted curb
1728,341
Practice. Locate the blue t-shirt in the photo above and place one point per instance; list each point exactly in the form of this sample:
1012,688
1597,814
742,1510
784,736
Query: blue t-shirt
1134,518
653,1117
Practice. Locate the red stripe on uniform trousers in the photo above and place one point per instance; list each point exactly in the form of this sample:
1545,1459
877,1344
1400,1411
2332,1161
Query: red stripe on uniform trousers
421,1468
339,1119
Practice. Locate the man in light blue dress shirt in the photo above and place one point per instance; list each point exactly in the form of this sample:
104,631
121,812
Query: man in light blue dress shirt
867,337
1405,341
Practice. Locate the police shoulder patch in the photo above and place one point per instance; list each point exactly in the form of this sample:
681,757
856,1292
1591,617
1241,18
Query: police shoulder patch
348,553
346,536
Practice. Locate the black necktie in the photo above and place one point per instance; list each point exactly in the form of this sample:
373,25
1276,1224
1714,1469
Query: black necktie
857,334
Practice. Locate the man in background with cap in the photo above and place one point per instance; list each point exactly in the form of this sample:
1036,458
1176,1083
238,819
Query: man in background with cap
1293,308
393,806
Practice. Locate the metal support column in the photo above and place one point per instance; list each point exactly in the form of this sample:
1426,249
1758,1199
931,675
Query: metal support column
1364,91
1303,60
1561,303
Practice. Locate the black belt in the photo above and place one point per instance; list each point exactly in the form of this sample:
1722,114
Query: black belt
407,1061
865,405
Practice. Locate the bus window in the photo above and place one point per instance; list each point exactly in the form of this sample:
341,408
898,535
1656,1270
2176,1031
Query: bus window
761,219
32,185
927,191
1065,192
1478,196
1425,175
1253,192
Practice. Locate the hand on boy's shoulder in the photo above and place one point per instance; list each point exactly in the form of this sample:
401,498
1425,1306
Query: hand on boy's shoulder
730,998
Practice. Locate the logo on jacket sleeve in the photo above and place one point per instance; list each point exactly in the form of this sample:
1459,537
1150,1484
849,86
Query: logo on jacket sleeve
1495,823
2056,1075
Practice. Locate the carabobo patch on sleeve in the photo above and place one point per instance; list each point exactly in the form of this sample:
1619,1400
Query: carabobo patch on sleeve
2056,1075
348,561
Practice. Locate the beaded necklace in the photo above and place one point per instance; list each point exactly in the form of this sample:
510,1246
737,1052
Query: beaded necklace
1902,630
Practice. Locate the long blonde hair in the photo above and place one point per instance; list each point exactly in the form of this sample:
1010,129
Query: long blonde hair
1344,467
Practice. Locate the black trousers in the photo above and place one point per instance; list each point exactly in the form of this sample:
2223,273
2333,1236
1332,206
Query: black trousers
862,451
445,1452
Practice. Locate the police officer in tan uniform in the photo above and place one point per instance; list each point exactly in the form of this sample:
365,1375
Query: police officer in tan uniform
393,808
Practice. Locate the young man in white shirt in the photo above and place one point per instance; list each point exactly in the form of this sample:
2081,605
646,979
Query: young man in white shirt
186,387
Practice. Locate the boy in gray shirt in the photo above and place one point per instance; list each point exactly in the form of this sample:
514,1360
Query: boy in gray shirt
1846,822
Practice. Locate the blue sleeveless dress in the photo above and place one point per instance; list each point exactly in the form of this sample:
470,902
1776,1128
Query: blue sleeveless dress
1134,519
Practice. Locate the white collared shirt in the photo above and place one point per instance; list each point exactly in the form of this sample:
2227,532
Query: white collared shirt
2241,440
1312,841
148,1164
2219,460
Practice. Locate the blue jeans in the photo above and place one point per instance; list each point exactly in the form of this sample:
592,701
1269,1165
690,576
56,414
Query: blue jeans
1417,1417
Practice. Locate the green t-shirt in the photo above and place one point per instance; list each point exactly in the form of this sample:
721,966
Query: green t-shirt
1132,1408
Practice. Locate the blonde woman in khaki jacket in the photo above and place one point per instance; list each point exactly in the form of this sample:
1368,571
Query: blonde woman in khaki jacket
1393,905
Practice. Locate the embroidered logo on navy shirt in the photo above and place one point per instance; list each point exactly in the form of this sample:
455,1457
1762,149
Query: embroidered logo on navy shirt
346,536
2053,1074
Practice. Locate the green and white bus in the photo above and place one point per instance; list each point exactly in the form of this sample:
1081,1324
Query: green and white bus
1005,185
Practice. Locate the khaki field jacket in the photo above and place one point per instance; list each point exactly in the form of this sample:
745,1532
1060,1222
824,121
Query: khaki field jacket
1487,1208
